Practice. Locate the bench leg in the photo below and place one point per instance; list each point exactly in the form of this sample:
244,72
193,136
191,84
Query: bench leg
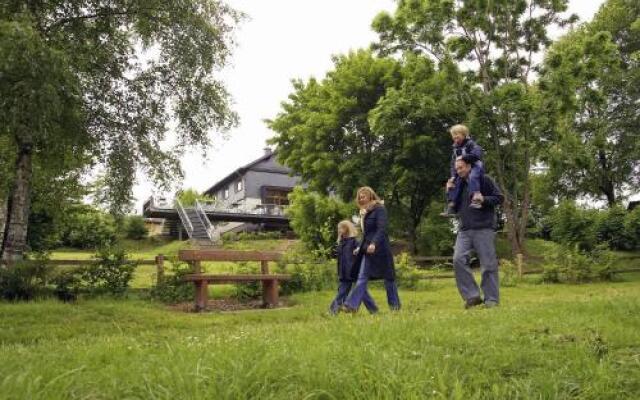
202,294
270,293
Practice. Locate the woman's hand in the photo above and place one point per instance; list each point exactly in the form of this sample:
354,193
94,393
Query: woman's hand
371,249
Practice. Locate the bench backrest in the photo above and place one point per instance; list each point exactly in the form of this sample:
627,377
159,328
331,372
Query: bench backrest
228,255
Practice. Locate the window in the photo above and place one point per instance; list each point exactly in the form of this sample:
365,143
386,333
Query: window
239,186
226,193
276,196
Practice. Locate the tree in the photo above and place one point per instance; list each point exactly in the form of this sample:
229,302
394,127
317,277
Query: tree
102,79
378,122
499,41
594,76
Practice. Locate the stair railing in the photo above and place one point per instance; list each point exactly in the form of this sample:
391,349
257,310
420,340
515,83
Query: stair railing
205,220
186,222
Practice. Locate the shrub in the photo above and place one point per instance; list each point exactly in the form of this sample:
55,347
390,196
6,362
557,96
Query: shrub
135,228
573,226
89,228
314,218
110,273
248,290
435,234
407,274
509,272
188,197
571,265
610,229
632,227
308,272
23,280
174,289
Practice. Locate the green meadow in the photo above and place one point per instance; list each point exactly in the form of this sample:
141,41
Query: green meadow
543,342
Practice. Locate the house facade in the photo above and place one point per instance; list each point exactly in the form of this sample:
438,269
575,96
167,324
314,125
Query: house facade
263,182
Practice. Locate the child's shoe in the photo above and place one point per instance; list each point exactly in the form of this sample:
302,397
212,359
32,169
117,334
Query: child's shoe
450,212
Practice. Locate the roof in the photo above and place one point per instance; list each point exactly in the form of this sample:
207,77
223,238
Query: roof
243,170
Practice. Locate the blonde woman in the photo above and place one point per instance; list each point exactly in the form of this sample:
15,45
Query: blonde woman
345,254
374,254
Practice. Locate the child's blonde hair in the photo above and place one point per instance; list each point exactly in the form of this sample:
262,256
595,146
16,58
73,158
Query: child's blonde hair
349,227
459,129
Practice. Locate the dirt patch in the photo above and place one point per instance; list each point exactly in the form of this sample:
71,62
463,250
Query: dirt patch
230,304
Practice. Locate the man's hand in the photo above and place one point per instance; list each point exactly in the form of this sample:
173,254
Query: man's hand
450,184
371,249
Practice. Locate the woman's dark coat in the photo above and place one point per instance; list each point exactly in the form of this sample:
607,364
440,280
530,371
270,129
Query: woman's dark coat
379,265
346,259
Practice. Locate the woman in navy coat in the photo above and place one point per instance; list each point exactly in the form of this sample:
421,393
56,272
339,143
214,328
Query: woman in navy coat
374,254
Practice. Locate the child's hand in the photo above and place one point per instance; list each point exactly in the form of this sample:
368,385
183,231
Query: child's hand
355,252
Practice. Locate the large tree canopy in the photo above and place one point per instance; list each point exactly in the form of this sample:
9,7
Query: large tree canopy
110,75
594,73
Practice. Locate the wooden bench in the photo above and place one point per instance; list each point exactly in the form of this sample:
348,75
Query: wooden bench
201,281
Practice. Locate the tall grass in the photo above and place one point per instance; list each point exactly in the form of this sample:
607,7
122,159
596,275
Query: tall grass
544,342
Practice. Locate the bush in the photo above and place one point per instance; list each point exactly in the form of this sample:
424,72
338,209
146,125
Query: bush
610,229
308,272
573,226
135,228
174,289
89,228
407,274
435,234
509,272
24,280
632,227
110,273
314,218
571,265
248,290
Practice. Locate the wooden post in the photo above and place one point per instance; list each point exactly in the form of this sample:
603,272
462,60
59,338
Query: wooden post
270,293
196,266
519,264
264,266
159,269
202,294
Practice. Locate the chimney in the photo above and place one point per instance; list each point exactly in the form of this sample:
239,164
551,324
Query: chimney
268,151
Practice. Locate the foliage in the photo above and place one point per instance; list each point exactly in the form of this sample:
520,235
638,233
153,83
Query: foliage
188,197
407,274
572,265
632,226
110,273
246,236
25,280
590,73
508,273
611,230
89,228
308,272
573,226
315,217
499,42
435,234
379,122
248,290
174,289
135,228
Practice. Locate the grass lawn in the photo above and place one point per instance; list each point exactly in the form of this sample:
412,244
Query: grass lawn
544,342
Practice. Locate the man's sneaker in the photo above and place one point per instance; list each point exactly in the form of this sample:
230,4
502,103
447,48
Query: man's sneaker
472,302
490,304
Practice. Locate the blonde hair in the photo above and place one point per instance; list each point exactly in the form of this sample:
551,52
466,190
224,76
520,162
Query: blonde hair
349,227
459,129
373,196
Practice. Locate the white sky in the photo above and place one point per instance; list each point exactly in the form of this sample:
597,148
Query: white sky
283,40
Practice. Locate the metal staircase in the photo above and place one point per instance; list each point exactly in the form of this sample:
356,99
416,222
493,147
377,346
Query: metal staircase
196,224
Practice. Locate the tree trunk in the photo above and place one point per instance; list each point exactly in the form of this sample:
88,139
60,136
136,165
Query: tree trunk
15,240
3,220
514,228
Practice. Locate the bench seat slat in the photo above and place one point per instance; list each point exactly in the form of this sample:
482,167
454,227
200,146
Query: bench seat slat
236,278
